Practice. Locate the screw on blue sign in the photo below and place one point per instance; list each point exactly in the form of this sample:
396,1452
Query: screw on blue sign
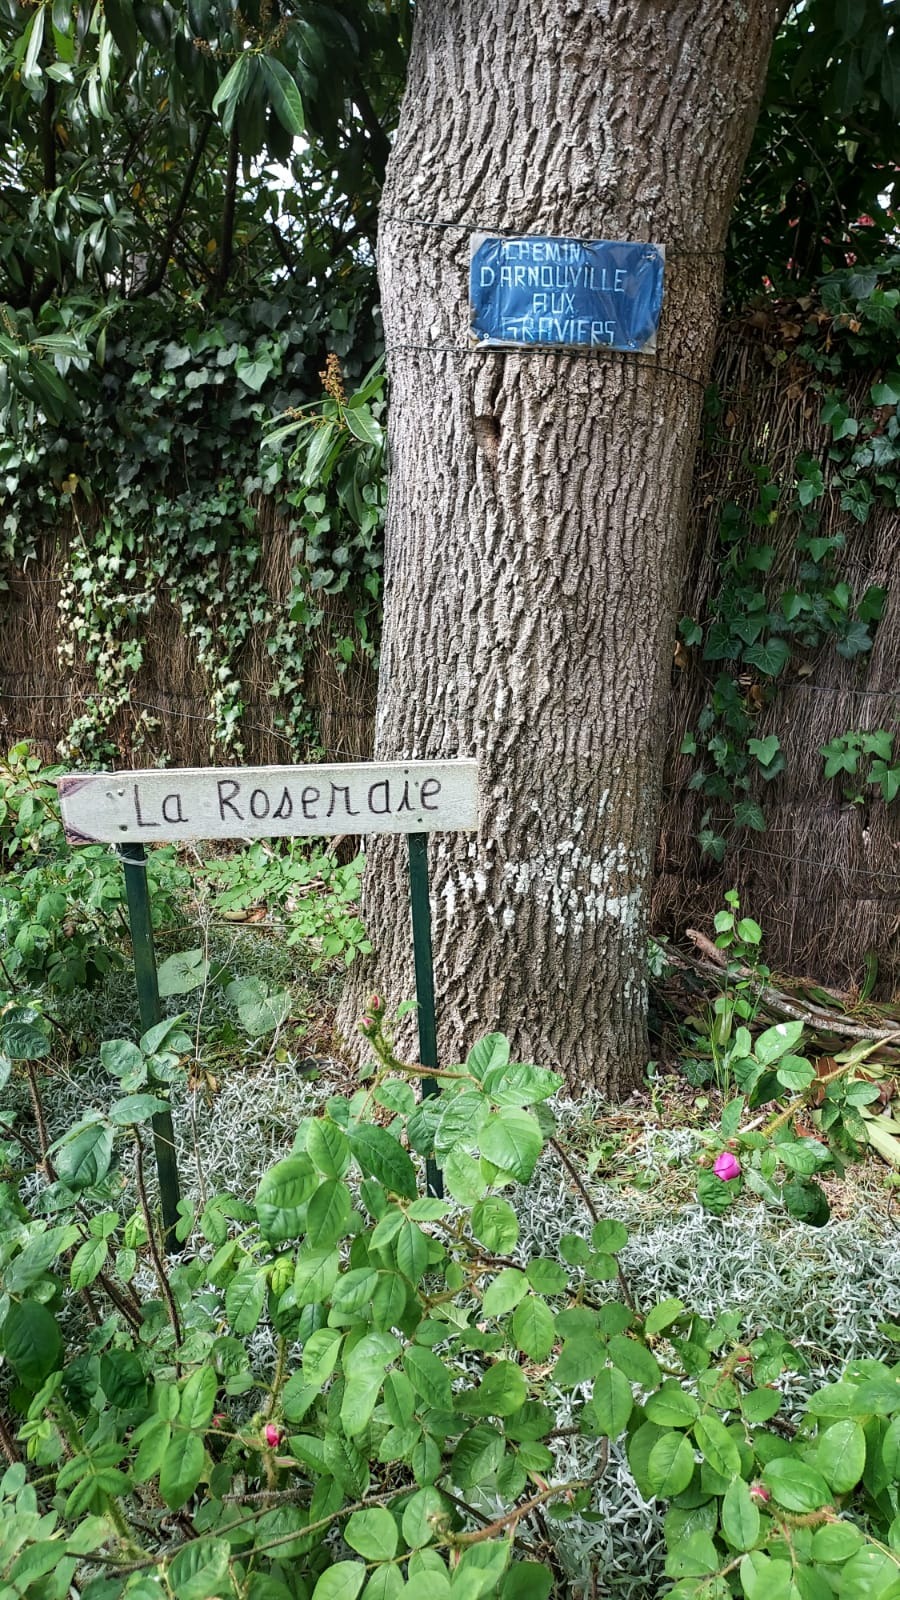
530,289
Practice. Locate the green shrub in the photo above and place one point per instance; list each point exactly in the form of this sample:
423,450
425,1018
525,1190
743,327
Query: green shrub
352,1387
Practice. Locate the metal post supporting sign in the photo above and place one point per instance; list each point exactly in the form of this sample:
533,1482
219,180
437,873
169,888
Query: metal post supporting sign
129,808
420,906
134,862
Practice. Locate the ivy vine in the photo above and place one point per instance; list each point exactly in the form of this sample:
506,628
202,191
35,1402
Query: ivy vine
158,492
759,623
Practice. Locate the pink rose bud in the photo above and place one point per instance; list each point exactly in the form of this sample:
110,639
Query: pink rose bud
375,1002
218,1419
758,1491
726,1166
273,1434
367,1024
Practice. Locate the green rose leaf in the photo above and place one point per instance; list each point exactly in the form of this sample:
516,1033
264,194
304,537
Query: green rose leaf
501,1391
200,1570
328,1147
508,1288
343,1581
495,1224
795,1485
421,1516
282,1197
429,1377
671,1465
182,1468
612,1402
381,1157
841,1455
31,1342
373,1534
328,1213
320,1354
717,1446
533,1328
512,1140
671,1406
315,1276
740,1516
85,1159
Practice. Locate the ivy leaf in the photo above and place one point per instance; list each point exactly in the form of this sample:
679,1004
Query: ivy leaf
747,814
886,393
254,371
183,972
765,750
770,656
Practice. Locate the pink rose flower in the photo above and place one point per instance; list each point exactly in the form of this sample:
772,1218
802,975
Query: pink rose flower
726,1166
272,1434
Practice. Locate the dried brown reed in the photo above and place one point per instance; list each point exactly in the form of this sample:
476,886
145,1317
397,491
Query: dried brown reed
168,714
824,879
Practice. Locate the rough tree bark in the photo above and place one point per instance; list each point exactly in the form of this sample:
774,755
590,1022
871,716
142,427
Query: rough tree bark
538,498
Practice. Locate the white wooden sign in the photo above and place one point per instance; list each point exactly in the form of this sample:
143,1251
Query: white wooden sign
269,802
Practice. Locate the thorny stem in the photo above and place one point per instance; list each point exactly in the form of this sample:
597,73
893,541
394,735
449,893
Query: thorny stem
512,1518
7,1441
479,1516
37,1106
278,1380
239,1522
159,1265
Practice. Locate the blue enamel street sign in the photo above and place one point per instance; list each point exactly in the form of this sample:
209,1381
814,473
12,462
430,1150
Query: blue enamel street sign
530,289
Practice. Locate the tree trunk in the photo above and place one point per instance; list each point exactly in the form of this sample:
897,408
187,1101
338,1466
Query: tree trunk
538,498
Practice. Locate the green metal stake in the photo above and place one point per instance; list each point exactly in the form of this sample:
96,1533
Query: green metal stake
134,861
424,964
